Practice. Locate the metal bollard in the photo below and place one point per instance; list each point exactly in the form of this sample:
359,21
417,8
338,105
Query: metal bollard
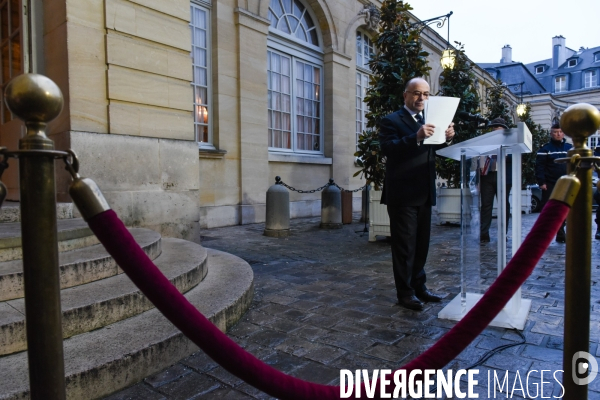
579,121
364,214
278,211
37,100
331,207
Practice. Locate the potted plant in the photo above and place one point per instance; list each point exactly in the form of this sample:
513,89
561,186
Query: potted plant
398,57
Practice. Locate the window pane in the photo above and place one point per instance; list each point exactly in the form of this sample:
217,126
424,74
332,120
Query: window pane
200,38
293,23
15,22
201,95
275,82
301,34
200,18
285,106
308,73
299,88
276,8
299,71
314,38
200,56
4,21
308,90
285,84
283,25
285,122
286,140
300,123
298,9
285,66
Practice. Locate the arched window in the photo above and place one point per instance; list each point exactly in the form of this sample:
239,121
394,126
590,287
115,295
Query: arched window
364,50
294,79
291,17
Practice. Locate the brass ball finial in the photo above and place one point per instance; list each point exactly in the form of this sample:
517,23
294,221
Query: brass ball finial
580,121
33,98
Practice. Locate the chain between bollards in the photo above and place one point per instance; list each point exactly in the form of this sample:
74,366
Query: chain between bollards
278,181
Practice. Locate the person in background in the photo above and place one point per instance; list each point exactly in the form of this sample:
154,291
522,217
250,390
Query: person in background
409,192
547,171
488,177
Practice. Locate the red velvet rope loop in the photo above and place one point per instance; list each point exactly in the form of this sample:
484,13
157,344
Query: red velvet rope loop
141,270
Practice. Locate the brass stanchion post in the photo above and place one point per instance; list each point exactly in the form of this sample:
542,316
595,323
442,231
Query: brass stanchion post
37,100
578,122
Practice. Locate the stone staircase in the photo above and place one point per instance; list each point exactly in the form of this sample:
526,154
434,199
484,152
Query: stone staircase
113,335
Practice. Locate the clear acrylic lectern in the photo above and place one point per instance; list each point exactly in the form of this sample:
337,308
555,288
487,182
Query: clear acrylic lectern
477,272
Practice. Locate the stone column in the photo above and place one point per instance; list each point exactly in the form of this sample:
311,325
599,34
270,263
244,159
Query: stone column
339,116
252,33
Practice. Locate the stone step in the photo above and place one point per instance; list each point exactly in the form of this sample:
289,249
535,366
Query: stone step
11,211
78,266
103,302
106,360
72,234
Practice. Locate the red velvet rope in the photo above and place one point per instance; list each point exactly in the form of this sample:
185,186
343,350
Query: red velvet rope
141,270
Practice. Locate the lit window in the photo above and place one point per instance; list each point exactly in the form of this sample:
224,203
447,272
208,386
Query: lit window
539,69
572,63
590,79
199,24
294,80
560,84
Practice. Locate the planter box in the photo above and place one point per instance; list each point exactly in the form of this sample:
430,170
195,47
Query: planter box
448,205
379,221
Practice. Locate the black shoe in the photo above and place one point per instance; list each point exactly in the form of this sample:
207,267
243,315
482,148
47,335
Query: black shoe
598,234
484,238
410,302
429,296
561,237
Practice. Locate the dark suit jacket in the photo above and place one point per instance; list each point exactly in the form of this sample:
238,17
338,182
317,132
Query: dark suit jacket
410,169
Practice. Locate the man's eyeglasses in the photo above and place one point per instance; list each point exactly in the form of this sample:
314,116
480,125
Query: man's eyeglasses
418,94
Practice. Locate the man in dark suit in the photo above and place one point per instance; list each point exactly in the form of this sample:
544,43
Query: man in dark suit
409,192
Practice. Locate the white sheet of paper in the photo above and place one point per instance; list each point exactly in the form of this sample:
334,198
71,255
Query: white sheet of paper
439,111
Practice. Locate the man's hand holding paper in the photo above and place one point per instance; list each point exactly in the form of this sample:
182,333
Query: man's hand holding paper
439,112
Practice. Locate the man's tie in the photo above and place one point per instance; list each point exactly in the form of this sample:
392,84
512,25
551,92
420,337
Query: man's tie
419,118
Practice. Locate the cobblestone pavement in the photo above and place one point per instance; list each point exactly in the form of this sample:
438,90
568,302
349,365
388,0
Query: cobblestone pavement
325,300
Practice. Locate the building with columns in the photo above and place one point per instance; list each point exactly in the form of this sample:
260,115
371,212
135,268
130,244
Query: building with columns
185,112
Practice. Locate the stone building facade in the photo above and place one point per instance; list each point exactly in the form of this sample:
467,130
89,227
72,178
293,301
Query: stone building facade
185,112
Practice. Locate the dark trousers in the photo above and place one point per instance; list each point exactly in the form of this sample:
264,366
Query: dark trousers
545,197
410,229
488,188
